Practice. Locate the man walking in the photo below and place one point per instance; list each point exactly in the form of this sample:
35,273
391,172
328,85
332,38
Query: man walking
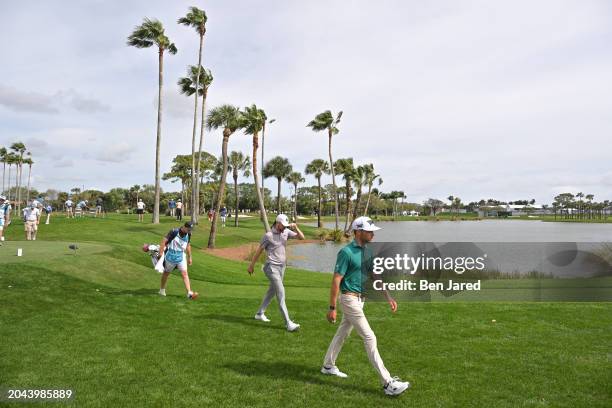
100,206
275,243
172,206
5,216
140,207
179,210
223,214
348,279
31,218
69,210
174,246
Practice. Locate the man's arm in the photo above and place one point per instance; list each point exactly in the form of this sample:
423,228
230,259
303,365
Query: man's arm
162,246
251,269
189,260
300,234
333,296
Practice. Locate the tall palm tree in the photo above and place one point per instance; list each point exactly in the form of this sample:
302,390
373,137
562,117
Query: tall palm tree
202,78
239,163
149,33
11,159
317,168
370,177
580,195
229,118
280,168
195,18
253,122
29,162
3,159
205,81
451,198
358,180
294,178
263,142
326,121
19,149
345,167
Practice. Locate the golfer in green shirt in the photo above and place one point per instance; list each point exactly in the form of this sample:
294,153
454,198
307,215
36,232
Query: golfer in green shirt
348,278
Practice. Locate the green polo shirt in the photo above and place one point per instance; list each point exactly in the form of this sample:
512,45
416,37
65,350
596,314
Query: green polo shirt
349,265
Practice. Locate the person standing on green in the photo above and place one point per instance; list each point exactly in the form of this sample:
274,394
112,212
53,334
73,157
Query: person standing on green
348,280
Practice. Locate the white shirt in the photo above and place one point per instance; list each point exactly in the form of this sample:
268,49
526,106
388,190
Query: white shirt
31,214
140,205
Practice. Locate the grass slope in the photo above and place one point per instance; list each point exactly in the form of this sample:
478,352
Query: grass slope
93,322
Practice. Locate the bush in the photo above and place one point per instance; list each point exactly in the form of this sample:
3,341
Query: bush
322,234
336,235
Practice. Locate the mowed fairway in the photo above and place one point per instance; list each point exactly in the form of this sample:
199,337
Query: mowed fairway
93,322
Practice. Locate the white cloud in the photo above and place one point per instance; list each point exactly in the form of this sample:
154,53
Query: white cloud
117,153
474,98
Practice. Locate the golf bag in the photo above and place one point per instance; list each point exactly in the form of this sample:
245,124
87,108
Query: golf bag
156,259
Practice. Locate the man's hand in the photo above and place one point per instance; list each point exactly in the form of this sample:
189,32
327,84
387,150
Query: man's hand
331,316
250,269
190,261
393,304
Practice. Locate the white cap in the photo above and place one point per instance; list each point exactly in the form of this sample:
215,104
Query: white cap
2,197
364,224
282,219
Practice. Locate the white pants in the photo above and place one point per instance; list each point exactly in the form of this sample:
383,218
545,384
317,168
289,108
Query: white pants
275,274
352,316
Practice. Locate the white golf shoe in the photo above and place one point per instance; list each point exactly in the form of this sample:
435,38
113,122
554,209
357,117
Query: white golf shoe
162,292
262,317
291,326
333,371
396,387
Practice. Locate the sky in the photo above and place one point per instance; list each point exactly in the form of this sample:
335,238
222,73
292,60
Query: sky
476,99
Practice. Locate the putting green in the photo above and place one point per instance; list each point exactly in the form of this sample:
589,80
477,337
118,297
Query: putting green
45,250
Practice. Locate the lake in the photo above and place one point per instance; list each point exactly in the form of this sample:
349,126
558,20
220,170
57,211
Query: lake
321,257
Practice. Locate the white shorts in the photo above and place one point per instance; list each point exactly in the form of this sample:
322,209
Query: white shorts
181,266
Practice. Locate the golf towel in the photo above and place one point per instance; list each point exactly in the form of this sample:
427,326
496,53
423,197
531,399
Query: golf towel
159,266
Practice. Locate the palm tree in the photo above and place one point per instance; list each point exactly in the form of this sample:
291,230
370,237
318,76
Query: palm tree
358,181
238,162
3,159
317,167
205,81
195,18
345,167
451,199
202,78
263,141
29,162
370,176
295,177
19,149
253,121
280,168
229,118
149,33
326,121
580,195
11,159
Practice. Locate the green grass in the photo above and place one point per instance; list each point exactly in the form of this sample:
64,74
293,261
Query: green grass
94,323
